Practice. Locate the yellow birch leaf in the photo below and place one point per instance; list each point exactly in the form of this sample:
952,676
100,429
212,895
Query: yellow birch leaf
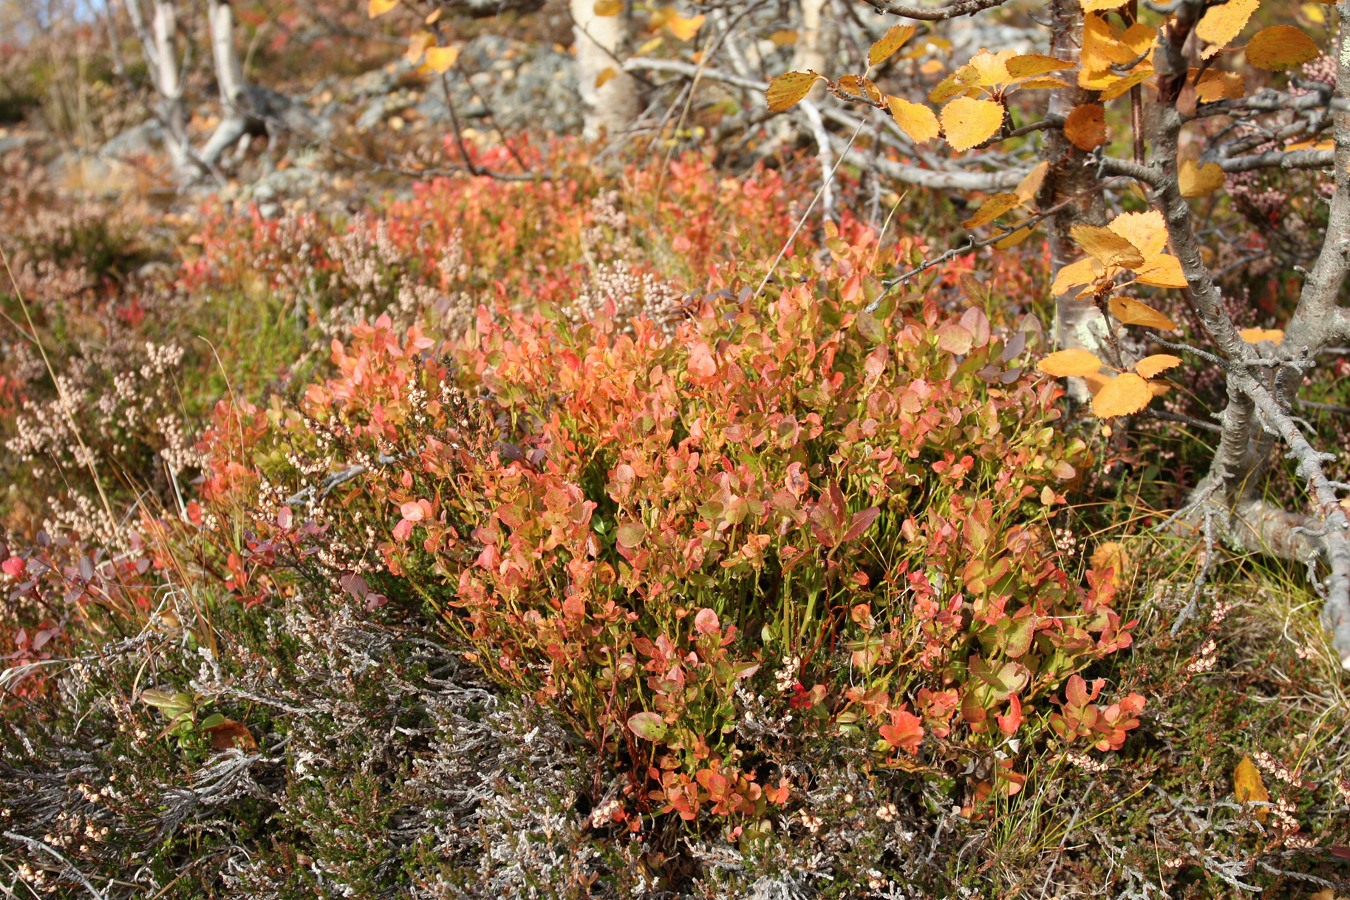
1101,5
377,8
991,209
433,17
1220,24
1086,271
857,86
1281,47
1085,126
685,29
960,81
417,45
1199,180
784,38
1132,312
1043,83
1215,84
1031,185
1249,788
1257,335
914,119
607,74
440,59
1123,395
787,90
992,68
1162,271
891,41
1030,65
1150,366
1143,72
1015,238
969,122
607,8
1096,382
1107,246
1145,230
1070,363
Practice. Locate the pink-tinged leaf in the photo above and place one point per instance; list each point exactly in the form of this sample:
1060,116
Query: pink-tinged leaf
648,726
285,518
861,521
905,731
701,362
13,567
403,529
412,511
706,622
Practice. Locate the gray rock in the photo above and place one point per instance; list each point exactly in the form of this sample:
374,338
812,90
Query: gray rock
517,82
139,140
20,141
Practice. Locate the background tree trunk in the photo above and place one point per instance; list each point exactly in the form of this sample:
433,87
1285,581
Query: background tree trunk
234,99
601,44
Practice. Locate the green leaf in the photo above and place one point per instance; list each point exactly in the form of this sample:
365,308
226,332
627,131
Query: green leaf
648,726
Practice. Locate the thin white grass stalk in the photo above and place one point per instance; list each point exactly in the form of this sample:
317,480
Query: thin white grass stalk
66,403
829,177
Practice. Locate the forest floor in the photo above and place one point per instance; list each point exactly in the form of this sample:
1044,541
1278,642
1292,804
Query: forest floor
601,533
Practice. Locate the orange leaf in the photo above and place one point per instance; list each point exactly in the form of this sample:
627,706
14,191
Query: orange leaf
1031,185
1123,395
1198,180
1220,24
606,8
1257,335
1032,64
1215,85
1281,47
991,209
607,74
784,38
1106,246
890,42
1070,363
857,86
960,81
1147,231
1015,238
685,29
1085,126
787,90
1249,788
1085,271
1131,312
441,59
1162,271
1156,364
230,734
914,119
969,122
377,8
1101,5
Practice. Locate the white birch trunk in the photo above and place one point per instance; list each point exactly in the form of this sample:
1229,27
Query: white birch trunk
601,44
